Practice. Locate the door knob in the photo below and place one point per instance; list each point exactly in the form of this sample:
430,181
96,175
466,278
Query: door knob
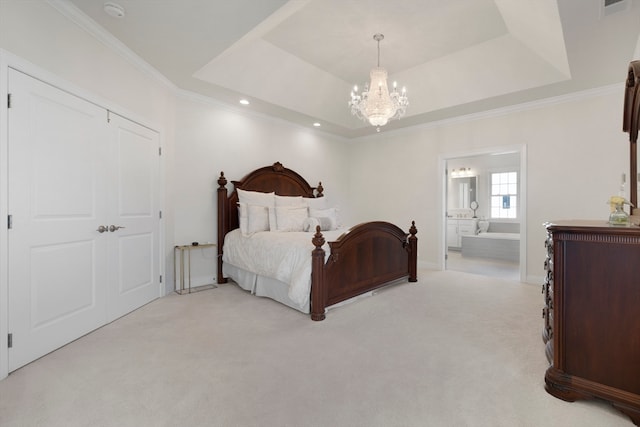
113,228
102,229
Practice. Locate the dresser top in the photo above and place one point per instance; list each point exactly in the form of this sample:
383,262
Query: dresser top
591,226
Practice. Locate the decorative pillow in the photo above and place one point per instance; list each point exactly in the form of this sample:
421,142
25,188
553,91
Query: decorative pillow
281,201
243,217
330,213
289,218
258,219
290,201
257,198
326,224
310,224
316,203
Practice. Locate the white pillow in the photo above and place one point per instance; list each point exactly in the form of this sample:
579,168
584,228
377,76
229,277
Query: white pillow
290,201
325,224
243,218
310,224
258,219
289,218
330,213
316,203
257,198
283,201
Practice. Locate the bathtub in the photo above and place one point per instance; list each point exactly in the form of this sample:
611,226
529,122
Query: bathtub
502,246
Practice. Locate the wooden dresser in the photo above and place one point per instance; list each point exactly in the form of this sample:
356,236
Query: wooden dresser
592,313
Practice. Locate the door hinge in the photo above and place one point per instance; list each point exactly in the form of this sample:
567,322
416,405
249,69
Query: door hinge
160,215
161,278
159,151
10,340
8,100
9,222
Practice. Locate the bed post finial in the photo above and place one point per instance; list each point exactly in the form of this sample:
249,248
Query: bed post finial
318,288
319,190
222,181
413,253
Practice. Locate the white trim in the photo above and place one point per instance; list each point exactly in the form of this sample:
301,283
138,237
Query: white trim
36,72
4,245
503,111
442,206
75,15
526,106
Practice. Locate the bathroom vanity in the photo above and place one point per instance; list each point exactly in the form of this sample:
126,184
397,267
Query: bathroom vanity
458,227
591,313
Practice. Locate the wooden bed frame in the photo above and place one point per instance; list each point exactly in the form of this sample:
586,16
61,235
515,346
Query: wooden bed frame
364,258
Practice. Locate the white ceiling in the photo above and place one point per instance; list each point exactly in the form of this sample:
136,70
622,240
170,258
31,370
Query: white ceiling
299,59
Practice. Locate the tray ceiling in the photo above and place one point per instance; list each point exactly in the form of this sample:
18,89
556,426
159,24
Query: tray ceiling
298,60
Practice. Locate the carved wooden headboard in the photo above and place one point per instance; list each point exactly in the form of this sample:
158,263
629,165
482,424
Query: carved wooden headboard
276,178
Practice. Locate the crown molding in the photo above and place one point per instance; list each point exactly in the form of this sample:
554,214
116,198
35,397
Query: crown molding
531,105
70,11
616,88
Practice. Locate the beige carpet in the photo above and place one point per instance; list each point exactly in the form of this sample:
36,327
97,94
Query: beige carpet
453,349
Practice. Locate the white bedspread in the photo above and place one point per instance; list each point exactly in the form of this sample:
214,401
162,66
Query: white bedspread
285,256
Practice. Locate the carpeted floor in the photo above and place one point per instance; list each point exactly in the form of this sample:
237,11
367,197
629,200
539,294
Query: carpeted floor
453,349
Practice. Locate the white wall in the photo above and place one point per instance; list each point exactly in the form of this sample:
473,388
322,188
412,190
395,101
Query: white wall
211,138
576,153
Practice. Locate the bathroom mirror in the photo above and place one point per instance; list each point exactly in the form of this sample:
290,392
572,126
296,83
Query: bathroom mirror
462,192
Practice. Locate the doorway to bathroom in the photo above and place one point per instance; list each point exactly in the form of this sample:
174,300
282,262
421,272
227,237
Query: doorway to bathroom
484,213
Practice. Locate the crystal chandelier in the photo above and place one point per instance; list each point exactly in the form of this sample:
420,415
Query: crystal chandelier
375,104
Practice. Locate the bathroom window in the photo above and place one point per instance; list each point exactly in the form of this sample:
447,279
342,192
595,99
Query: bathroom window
504,195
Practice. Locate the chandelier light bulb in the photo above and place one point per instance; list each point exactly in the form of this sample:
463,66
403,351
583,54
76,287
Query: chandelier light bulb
378,106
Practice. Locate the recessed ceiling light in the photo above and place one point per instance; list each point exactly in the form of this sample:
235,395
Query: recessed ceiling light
244,101
114,9
316,124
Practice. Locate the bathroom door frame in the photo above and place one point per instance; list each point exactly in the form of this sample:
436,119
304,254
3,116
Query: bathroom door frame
443,160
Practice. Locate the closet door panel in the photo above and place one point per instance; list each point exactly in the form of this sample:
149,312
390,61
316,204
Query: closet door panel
134,206
57,276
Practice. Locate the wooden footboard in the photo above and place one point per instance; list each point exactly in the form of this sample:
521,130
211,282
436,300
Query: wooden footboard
364,258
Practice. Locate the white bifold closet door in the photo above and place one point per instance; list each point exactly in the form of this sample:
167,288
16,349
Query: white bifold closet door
84,208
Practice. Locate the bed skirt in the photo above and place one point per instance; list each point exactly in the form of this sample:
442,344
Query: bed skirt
276,290
262,286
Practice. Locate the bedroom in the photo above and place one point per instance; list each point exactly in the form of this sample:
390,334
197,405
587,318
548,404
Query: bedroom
201,137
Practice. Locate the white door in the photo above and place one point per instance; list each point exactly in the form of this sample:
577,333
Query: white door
57,186
72,175
134,207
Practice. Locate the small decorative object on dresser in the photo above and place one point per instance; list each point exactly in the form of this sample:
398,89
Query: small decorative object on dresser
618,216
592,313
